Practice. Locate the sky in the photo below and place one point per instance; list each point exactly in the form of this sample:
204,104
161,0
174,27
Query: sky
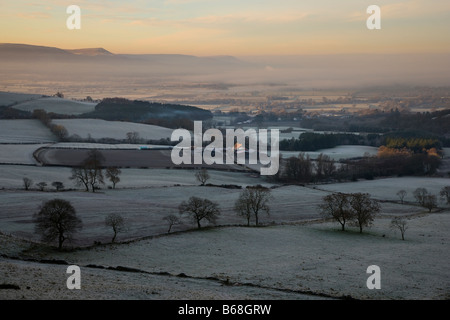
231,27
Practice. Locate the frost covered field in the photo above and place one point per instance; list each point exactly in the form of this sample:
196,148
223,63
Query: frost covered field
145,209
48,282
19,153
279,262
298,257
316,257
24,131
11,177
98,129
387,188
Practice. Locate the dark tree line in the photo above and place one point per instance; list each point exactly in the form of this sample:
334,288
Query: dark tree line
302,169
11,113
384,122
120,109
393,165
310,141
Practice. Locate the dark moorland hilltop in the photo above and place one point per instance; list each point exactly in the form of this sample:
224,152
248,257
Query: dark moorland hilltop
137,111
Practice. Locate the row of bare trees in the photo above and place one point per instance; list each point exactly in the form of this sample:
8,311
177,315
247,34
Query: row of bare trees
253,201
357,208
57,220
302,169
360,210
46,119
426,199
28,183
90,172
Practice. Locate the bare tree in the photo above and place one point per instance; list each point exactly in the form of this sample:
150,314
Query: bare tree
81,177
27,182
400,224
202,176
112,173
430,202
319,165
172,220
252,201
133,137
299,168
242,206
329,168
324,166
420,194
401,194
58,185
199,209
337,206
56,220
59,131
116,222
364,209
93,166
445,194
89,173
41,185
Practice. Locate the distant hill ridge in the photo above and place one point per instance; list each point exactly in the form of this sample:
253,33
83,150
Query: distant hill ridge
91,52
18,51
17,47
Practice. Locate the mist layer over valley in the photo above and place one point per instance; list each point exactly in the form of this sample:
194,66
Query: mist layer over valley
171,77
